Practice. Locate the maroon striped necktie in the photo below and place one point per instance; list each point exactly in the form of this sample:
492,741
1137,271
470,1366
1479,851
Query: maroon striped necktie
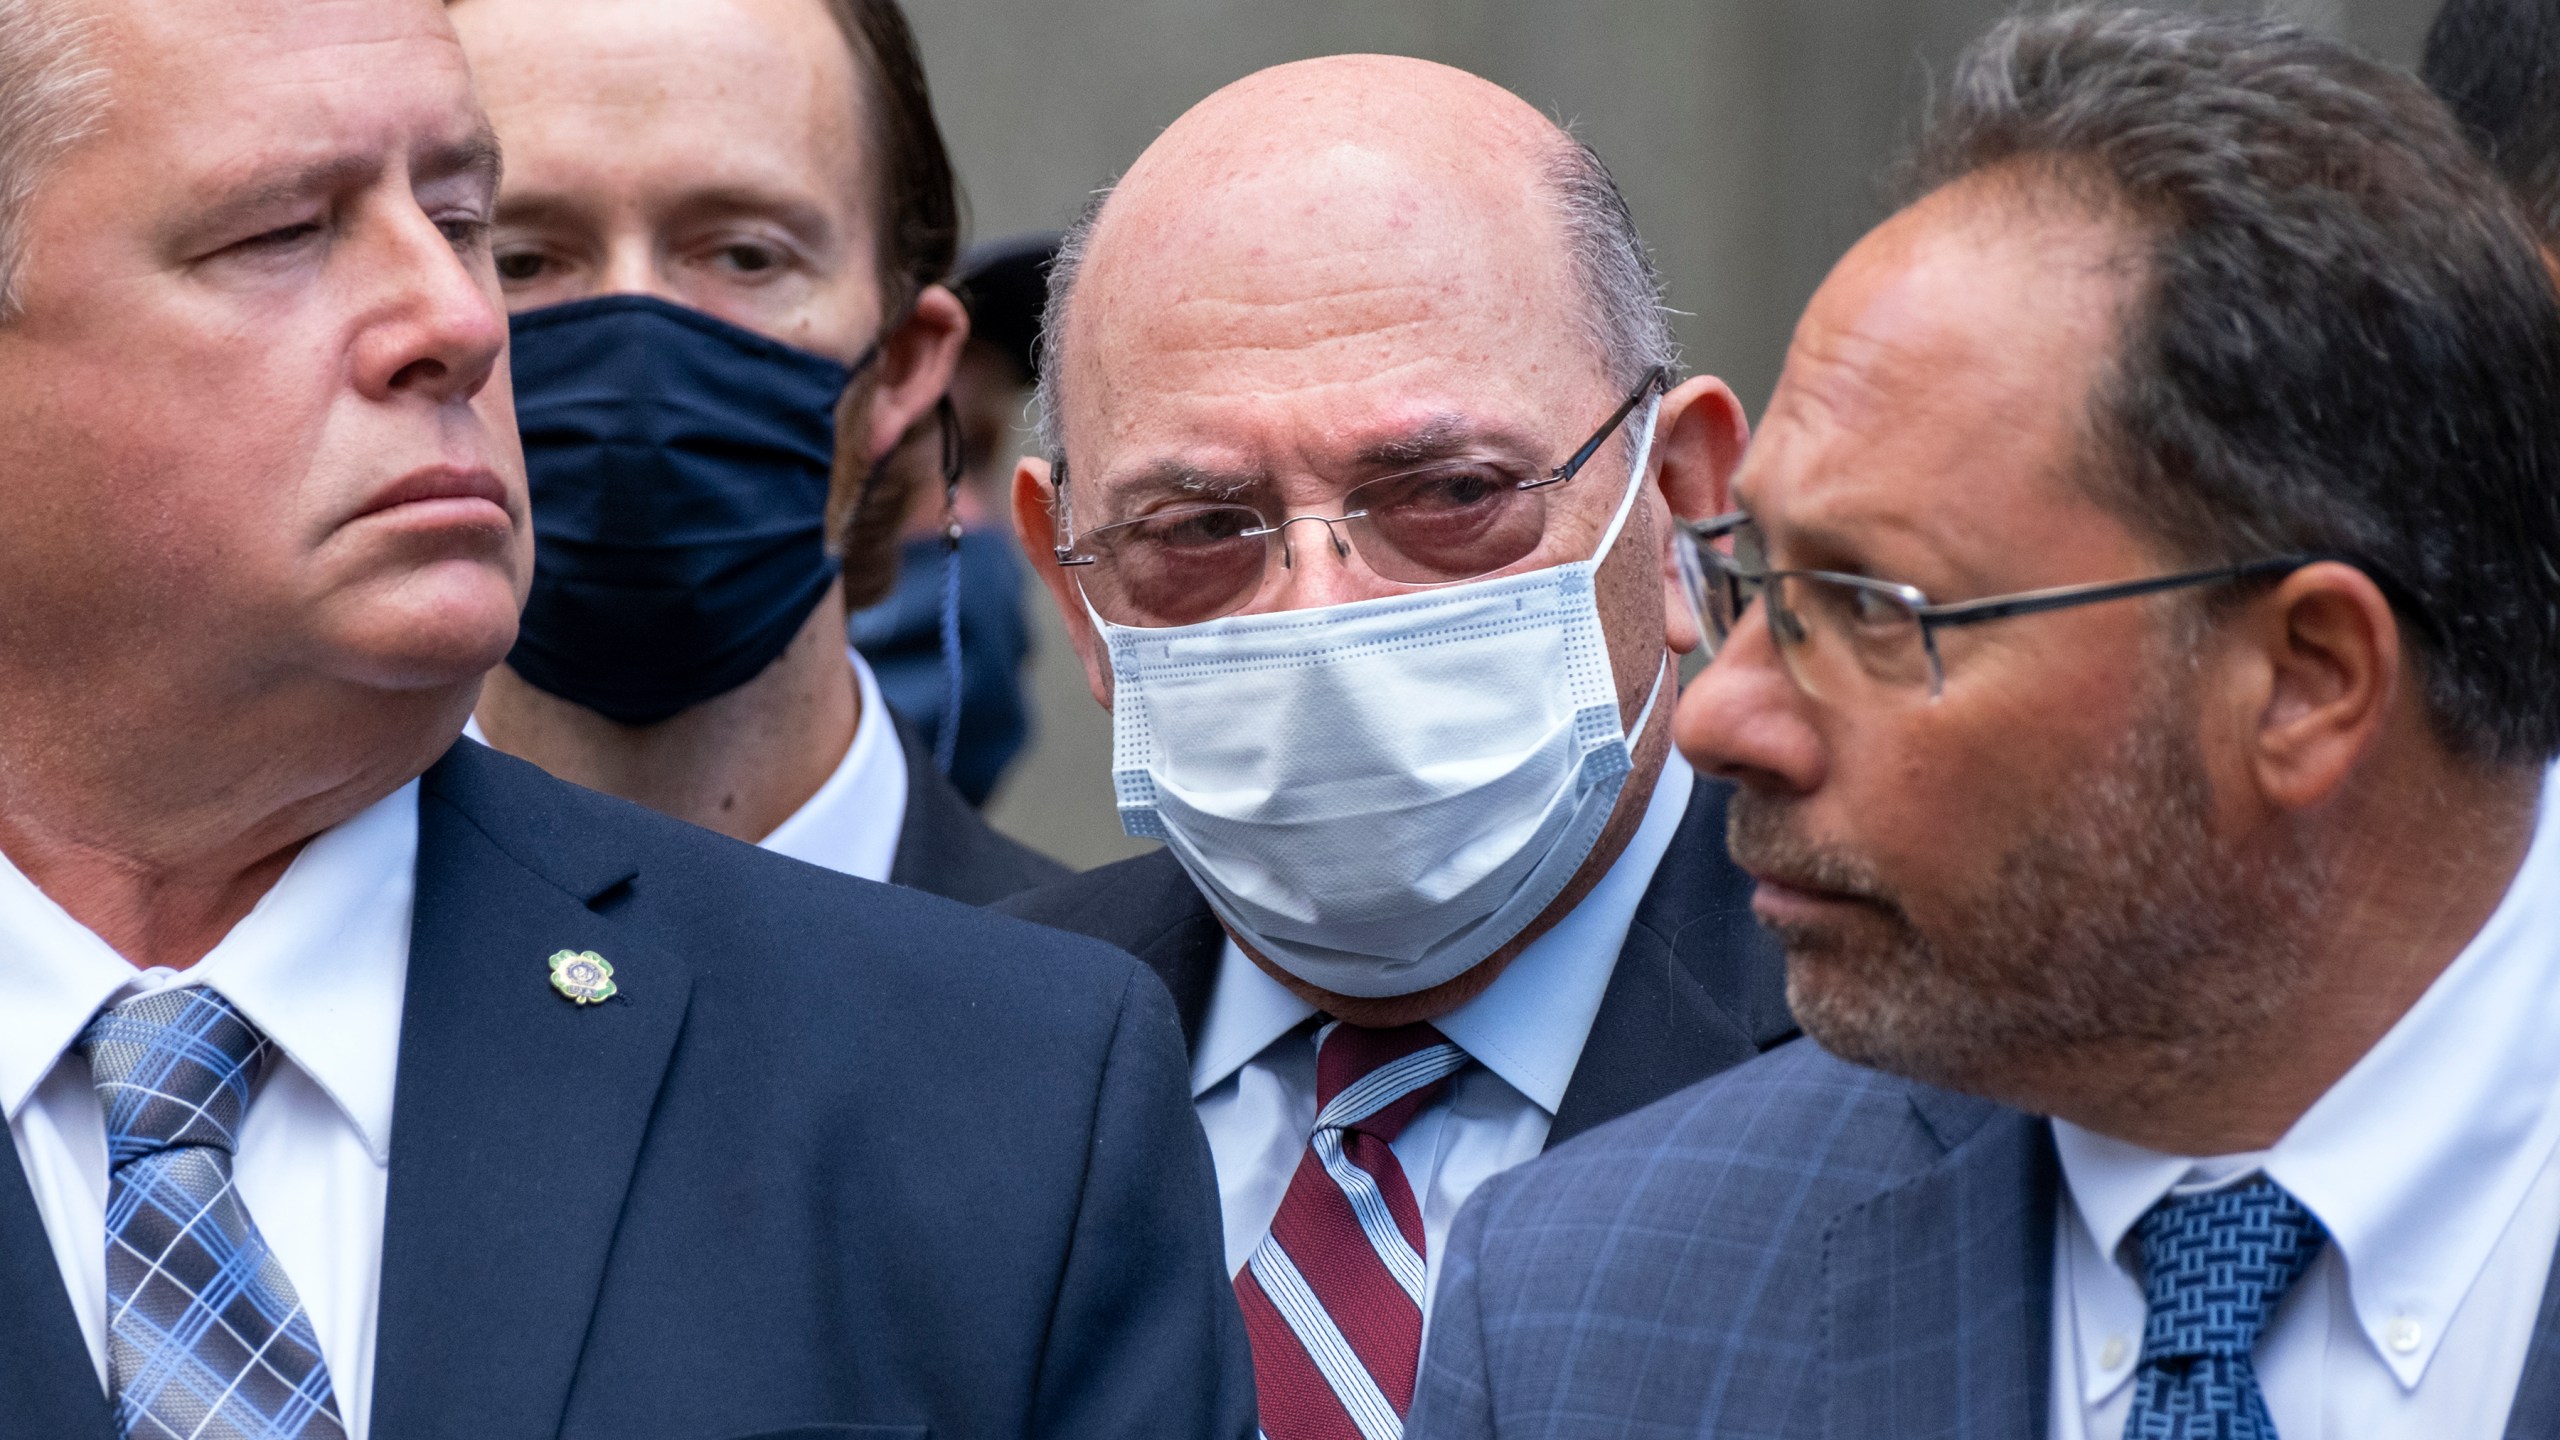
1333,1297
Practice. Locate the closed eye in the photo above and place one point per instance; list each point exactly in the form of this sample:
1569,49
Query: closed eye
282,237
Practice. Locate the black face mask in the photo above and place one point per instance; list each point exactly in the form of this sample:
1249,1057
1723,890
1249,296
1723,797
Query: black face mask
679,469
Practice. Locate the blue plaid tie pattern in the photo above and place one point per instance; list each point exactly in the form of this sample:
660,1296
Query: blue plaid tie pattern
206,1339
2216,1266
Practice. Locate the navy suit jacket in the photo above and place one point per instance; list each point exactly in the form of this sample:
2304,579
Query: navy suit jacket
1796,1248
841,1160
947,848
1698,987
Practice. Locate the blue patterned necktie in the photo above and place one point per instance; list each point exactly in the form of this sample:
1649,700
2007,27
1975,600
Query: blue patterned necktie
2216,1265
206,1339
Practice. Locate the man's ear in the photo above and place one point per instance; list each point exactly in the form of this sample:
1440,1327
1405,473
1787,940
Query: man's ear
868,495
1035,519
2319,675
1698,442
914,369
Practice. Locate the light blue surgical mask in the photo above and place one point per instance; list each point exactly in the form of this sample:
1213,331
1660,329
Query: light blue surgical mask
1378,795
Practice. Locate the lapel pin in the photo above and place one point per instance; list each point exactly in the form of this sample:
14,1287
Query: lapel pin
583,976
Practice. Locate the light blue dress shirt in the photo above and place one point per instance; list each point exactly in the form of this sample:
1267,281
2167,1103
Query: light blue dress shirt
2434,1164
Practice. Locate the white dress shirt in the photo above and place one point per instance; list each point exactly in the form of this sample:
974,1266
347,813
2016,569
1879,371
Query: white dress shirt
2434,1164
1253,1070
320,965
853,823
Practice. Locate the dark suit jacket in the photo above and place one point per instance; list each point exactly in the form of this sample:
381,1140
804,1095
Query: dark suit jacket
840,1160
1797,1248
1699,985
946,848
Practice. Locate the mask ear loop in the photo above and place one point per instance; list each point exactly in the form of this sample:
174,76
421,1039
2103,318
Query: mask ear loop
871,475
1635,480
946,743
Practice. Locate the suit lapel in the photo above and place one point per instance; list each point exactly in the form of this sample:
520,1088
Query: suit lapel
48,1385
1940,1292
1699,987
2537,1409
1186,959
519,1115
1168,925
929,849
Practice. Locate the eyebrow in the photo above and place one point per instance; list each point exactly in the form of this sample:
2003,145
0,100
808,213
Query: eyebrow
476,154
807,222
1173,477
1820,544
1444,436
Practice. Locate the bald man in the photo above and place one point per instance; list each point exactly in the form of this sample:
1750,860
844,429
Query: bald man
1363,451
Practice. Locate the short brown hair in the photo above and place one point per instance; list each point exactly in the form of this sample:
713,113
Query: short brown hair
2345,342
919,200
919,242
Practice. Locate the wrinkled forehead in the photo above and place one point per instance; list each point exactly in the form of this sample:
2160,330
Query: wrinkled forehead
309,41
1941,382
1268,297
235,84
735,88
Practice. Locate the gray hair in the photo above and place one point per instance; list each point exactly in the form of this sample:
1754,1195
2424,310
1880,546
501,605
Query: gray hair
1624,316
2340,341
52,93
2496,64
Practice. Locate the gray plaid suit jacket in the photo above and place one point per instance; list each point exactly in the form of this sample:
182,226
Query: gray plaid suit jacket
1795,1248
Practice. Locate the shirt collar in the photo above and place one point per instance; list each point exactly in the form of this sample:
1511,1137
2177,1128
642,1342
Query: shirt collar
55,974
320,965
2419,1156
1529,1025
1248,1010
852,824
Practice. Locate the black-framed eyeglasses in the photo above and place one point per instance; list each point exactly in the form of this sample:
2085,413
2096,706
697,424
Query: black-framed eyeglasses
1845,637
1439,524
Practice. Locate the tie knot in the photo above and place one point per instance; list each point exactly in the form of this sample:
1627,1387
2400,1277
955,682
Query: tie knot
2216,1265
172,1068
1376,1081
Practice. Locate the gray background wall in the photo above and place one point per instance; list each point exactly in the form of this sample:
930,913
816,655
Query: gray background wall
1750,137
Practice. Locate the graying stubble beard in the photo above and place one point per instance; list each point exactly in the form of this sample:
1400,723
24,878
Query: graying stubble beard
2121,931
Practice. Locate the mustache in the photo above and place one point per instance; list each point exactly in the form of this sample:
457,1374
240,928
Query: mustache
1761,836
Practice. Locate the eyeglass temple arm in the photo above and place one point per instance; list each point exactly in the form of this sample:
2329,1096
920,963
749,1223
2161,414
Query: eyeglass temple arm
1654,379
1065,554
1975,612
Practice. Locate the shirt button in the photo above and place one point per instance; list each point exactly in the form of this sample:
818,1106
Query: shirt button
2114,1353
2403,1335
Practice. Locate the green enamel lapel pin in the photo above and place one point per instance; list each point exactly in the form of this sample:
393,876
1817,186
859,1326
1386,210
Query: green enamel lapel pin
583,976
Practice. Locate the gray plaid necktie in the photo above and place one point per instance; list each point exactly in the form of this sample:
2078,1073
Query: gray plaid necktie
206,1339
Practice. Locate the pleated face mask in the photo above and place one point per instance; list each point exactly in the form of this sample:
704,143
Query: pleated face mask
1378,795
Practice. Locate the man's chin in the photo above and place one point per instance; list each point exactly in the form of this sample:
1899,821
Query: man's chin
1850,1001
455,641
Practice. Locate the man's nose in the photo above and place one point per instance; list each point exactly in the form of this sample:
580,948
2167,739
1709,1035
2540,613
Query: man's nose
440,331
631,267
1743,719
1316,565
